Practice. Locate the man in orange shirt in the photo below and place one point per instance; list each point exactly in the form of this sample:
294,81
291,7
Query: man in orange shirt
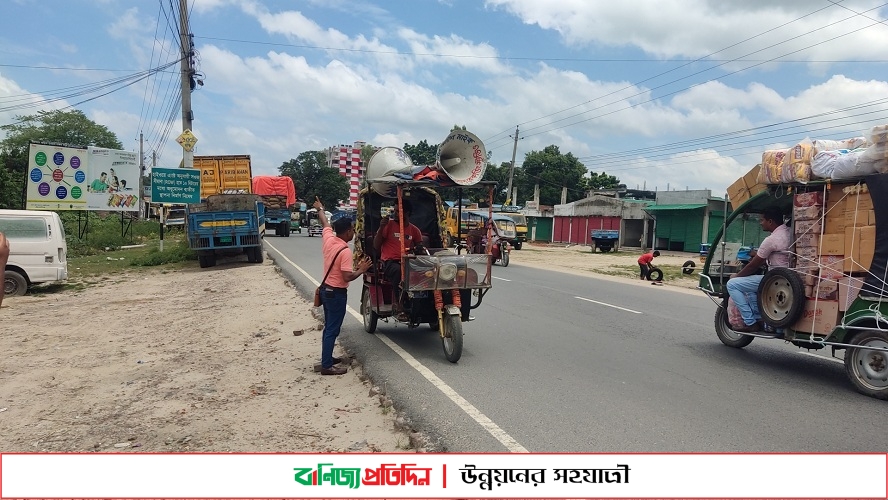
645,263
338,272
388,243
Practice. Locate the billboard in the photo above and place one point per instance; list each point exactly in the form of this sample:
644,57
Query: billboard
57,178
114,180
72,178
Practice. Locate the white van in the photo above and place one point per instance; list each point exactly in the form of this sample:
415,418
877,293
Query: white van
37,249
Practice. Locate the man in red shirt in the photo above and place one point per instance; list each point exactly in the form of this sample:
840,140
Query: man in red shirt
645,263
388,243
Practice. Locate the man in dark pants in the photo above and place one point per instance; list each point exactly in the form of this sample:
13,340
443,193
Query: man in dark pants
387,242
334,290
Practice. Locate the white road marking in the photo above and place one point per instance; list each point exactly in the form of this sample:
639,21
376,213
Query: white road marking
608,305
834,360
470,410
501,279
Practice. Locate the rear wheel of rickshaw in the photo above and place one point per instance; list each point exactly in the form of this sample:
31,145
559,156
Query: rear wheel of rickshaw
868,369
517,245
370,317
505,256
452,340
724,331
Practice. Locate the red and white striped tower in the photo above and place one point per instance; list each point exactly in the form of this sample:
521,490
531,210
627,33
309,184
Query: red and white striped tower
348,161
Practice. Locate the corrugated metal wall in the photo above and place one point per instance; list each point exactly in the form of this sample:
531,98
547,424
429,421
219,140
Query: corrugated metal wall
576,229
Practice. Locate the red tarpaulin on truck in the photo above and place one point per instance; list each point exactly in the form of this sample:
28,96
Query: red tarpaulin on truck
280,185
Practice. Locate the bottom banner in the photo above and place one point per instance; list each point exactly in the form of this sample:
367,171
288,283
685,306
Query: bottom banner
450,475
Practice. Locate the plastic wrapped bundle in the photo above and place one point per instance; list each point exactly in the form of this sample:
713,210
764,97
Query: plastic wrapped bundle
772,166
821,145
797,163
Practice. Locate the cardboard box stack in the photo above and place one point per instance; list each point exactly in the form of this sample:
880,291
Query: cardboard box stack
746,187
844,252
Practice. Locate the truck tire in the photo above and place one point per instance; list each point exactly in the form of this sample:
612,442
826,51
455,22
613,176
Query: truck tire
517,245
781,297
14,284
688,267
286,231
655,274
202,260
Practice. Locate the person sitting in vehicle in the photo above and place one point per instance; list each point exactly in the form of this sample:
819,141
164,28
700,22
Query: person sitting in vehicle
388,243
743,286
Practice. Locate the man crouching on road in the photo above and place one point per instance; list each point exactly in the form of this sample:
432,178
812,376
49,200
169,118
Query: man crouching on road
338,272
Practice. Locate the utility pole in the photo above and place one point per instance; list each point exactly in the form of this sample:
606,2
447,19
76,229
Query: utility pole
187,72
509,200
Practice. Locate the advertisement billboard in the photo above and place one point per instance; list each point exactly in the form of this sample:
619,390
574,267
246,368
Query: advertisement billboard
57,178
72,178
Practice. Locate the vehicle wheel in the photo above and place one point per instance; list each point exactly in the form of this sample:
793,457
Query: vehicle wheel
517,245
14,284
781,297
202,260
370,317
433,325
211,260
453,338
868,369
605,249
688,267
505,256
724,331
259,254
448,240
656,274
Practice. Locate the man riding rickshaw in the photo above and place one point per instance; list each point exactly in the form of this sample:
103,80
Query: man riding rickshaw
422,282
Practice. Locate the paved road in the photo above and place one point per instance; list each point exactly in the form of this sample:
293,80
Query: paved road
559,362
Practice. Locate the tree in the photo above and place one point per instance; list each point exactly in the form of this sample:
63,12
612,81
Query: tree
68,128
313,177
603,181
422,153
553,170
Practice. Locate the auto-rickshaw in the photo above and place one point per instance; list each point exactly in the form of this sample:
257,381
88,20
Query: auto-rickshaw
438,284
835,294
502,232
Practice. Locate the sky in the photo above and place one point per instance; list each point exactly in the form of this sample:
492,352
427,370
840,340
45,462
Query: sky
662,94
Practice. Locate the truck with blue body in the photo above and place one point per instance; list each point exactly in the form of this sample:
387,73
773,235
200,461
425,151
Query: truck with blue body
229,219
226,224
605,239
279,196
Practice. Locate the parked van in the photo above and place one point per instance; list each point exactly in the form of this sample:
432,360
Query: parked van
37,249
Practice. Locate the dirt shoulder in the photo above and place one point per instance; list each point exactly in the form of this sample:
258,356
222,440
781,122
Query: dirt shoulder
195,360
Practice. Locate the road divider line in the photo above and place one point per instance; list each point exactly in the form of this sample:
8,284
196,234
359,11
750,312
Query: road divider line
608,305
834,360
474,413
501,279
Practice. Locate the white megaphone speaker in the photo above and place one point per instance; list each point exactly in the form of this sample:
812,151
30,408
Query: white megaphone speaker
386,162
462,157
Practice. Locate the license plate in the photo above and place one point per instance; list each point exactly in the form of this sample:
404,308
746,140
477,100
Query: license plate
225,239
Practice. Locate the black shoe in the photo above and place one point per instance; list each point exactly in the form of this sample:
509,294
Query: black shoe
334,370
336,360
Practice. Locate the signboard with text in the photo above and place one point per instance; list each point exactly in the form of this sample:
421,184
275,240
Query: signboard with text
175,185
114,180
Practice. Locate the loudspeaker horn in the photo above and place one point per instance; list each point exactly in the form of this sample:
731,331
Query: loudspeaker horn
463,157
386,162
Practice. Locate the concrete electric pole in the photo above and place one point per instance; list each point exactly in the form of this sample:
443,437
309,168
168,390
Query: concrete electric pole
509,200
187,73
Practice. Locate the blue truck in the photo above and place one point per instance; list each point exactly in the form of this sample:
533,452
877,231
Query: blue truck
605,239
226,224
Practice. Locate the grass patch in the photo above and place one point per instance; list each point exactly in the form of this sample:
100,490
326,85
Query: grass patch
94,268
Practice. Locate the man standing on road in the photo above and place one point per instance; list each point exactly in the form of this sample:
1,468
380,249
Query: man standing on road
339,272
4,257
645,263
745,284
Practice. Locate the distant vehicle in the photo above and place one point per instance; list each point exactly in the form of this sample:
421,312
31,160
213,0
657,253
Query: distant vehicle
38,251
314,224
279,196
520,226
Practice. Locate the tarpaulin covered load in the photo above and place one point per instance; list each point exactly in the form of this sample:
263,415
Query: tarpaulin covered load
275,185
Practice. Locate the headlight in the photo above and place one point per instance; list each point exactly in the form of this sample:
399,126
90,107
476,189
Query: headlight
447,272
